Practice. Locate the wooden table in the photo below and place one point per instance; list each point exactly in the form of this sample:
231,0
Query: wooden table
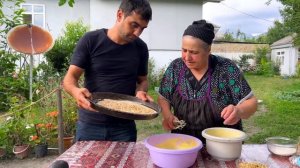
107,154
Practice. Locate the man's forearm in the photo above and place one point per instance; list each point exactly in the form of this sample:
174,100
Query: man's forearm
70,82
70,85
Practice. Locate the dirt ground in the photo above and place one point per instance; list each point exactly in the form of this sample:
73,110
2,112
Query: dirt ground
30,162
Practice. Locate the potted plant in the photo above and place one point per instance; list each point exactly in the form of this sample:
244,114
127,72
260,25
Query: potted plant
17,128
19,134
43,132
69,120
69,123
40,140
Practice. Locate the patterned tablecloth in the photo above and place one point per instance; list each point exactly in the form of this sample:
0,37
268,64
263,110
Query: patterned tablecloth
107,154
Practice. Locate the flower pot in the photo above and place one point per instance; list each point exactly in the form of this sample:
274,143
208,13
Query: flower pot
68,141
2,151
41,150
21,151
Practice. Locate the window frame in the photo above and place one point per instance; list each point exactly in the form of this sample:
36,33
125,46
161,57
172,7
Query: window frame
32,13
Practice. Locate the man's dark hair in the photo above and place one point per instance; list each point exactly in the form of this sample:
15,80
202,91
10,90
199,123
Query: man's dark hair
141,7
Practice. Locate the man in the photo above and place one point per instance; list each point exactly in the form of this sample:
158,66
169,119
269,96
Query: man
112,60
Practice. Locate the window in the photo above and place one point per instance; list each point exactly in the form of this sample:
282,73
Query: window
34,14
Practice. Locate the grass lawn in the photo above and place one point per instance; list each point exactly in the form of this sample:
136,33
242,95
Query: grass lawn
275,116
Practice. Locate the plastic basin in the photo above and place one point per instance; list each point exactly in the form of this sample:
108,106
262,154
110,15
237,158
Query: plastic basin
183,155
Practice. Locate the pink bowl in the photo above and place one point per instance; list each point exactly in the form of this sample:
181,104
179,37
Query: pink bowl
172,158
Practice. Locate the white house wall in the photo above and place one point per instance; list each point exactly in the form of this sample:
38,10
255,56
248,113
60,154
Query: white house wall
293,60
163,58
169,20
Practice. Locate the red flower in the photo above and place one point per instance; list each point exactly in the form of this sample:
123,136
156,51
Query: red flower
52,114
35,137
49,125
41,125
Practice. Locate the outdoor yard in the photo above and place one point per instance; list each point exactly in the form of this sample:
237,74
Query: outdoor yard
278,115
33,104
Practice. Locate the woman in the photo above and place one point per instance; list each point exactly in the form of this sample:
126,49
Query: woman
204,90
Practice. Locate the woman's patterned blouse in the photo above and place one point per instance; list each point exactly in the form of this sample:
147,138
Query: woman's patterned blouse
227,84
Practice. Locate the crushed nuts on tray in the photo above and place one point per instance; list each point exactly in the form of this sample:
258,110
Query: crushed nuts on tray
126,106
252,165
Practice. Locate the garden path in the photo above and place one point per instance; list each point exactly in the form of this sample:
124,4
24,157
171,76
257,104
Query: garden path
30,162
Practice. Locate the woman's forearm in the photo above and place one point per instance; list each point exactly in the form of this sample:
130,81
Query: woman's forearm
247,108
165,107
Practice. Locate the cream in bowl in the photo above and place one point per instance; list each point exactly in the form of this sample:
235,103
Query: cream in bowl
224,143
282,146
177,143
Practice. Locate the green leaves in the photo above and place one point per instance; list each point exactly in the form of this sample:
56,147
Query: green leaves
62,2
70,2
291,17
59,56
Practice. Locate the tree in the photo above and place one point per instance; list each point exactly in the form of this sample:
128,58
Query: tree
240,35
228,36
277,32
262,38
291,17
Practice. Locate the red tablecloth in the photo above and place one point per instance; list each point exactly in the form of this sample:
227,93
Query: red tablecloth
107,154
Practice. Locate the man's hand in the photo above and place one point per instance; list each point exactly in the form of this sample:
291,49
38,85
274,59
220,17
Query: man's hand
81,96
143,96
231,115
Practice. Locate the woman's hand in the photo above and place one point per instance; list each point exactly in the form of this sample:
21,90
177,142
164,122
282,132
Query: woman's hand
168,123
231,115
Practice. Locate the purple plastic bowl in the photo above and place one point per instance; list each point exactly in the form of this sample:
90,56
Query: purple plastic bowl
171,158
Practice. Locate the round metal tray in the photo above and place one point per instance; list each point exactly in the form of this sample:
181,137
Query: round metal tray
97,96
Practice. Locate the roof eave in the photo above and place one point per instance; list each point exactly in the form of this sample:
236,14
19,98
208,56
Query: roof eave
215,1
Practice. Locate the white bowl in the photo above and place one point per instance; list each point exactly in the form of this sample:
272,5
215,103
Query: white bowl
282,146
224,143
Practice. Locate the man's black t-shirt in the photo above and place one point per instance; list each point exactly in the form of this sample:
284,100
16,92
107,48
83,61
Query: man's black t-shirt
109,67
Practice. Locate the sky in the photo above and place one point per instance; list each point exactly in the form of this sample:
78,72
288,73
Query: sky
252,17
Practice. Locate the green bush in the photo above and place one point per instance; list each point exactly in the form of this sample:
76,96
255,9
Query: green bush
243,63
264,65
12,83
59,56
16,125
154,77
